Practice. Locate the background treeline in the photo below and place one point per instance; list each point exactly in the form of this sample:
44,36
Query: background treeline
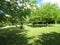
47,13
13,13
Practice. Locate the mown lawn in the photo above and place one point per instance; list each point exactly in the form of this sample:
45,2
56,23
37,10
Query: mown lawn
35,32
40,30
30,35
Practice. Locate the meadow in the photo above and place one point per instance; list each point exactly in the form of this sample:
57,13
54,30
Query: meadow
30,35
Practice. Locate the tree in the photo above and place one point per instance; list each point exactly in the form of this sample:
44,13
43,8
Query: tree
22,10
50,12
47,13
16,8
35,16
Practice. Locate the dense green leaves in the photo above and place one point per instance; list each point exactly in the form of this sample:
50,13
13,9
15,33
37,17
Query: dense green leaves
20,10
46,13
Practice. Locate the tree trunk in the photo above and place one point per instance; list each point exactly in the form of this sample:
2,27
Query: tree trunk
21,26
47,24
55,21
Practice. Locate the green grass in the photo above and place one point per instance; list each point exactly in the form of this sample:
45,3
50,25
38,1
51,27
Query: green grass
39,30
36,31
30,35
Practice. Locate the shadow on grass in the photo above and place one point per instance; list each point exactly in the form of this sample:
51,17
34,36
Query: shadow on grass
41,25
16,36
12,36
37,25
49,39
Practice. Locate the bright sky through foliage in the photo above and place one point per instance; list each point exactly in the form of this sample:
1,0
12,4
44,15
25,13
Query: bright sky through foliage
49,1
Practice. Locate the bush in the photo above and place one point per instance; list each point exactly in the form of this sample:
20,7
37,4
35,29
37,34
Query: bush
1,25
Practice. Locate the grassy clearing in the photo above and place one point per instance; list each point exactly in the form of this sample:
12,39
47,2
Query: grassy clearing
30,35
35,32
40,30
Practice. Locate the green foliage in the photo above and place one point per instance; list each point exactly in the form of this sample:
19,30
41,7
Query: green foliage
16,11
46,13
2,18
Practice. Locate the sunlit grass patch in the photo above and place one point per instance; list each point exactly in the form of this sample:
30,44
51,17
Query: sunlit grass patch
28,35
